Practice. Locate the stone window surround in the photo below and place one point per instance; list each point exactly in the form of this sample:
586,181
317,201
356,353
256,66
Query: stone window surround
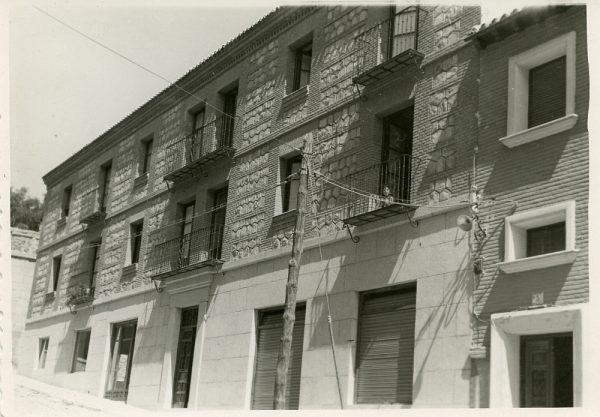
506,329
518,91
515,238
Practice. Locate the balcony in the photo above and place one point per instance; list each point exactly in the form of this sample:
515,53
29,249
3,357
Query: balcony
93,208
191,251
207,144
80,294
372,201
388,47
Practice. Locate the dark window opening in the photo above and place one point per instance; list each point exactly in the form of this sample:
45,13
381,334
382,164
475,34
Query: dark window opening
147,155
397,144
547,370
218,222
546,239
105,188
228,118
291,169
66,202
547,92
82,345
136,241
302,64
95,254
56,263
186,233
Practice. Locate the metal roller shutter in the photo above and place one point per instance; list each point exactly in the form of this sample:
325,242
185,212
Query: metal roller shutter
386,347
270,330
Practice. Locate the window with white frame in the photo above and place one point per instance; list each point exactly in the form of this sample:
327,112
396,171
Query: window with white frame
42,352
541,91
540,238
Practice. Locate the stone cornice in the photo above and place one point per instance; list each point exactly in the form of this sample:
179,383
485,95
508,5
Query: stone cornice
222,60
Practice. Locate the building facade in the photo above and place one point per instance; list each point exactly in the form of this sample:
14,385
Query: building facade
23,245
445,244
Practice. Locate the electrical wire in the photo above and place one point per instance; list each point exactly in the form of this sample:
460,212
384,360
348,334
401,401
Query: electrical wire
108,48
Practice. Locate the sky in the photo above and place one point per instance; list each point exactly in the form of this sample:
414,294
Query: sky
66,90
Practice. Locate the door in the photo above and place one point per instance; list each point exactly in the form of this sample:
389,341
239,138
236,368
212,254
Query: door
218,223
269,332
185,357
123,340
404,30
547,370
395,156
186,234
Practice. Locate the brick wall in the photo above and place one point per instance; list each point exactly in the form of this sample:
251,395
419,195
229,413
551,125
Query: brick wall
537,174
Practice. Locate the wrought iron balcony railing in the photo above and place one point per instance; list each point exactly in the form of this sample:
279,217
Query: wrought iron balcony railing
193,250
212,141
93,206
80,294
387,47
381,190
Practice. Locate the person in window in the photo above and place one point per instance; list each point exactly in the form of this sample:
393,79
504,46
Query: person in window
387,198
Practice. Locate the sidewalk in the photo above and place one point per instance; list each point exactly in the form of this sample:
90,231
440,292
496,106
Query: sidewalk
34,398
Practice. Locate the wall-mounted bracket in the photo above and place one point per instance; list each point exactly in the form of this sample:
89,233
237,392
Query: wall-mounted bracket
354,239
156,286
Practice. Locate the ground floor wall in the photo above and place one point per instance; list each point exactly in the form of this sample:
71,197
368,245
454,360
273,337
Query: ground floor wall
432,257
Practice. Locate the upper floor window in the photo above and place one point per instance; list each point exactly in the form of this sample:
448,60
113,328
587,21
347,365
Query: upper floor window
404,29
541,91
302,64
95,260
105,186
290,169
199,118
56,267
540,238
66,201
147,157
136,231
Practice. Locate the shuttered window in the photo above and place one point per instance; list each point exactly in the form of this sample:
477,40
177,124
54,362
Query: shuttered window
386,344
547,91
546,239
270,330
404,34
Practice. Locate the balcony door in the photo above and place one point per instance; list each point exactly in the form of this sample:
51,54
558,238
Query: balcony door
105,188
122,343
186,234
403,35
185,357
196,144
228,119
218,223
395,156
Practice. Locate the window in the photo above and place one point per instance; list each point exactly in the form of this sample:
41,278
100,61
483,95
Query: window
269,331
198,120
540,238
136,231
291,167
302,63
546,239
66,201
227,125
147,146
217,222
385,350
95,256
105,187
541,91
82,344
43,352
545,370
56,264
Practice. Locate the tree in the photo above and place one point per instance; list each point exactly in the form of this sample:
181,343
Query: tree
25,211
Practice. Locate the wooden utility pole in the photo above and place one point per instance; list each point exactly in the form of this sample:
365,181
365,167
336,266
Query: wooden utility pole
289,315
